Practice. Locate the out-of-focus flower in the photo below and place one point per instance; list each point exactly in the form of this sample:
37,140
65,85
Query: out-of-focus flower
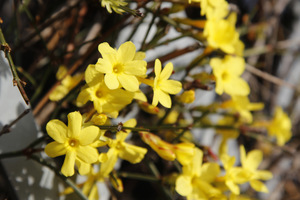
222,34
74,142
250,163
234,175
187,96
243,106
196,178
227,72
67,84
213,9
280,127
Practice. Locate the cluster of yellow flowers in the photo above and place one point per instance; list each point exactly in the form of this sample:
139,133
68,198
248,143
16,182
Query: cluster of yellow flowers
114,82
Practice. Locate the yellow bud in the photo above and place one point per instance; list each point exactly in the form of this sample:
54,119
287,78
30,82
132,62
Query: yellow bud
148,108
61,72
99,119
187,96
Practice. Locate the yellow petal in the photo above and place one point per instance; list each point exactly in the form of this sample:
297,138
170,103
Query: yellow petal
133,154
55,149
108,166
157,67
234,188
163,98
253,159
74,124
106,51
83,168
170,86
262,174
129,82
111,81
167,71
84,96
91,74
259,186
69,162
136,67
139,55
126,52
184,152
89,135
184,185
87,154
209,172
57,130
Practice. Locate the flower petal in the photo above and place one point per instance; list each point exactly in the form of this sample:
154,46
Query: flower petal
106,51
184,185
74,124
126,52
129,82
69,162
55,149
170,86
87,154
167,71
259,186
57,130
133,154
108,165
164,98
157,68
136,67
111,81
83,168
89,135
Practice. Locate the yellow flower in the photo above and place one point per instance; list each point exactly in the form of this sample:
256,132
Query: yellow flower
187,96
67,84
227,72
121,67
280,127
119,148
234,175
162,86
72,141
105,100
213,9
113,4
243,106
195,180
183,152
222,34
250,163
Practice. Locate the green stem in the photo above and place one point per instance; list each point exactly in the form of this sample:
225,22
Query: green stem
136,176
16,80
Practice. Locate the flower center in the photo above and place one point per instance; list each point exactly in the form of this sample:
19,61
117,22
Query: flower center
225,76
118,68
73,142
99,93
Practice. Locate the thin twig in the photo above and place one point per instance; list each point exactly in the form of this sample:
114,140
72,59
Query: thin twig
16,80
6,128
269,77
